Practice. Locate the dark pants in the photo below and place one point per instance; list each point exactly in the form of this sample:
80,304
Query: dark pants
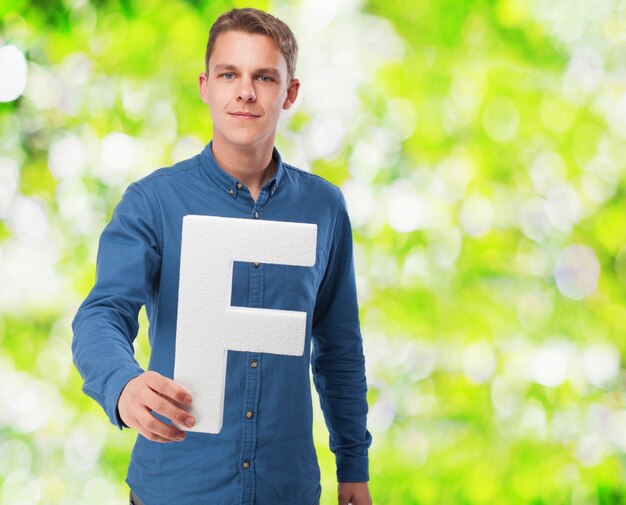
134,499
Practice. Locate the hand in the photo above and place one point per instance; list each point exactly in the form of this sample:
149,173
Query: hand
354,493
151,391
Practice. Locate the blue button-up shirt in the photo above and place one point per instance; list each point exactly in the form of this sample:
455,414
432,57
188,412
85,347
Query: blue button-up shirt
266,457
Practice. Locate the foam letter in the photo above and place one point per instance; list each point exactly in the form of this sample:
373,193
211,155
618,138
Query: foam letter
208,326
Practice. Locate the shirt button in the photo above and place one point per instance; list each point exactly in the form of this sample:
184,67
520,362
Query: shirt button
256,214
239,185
246,464
231,191
254,363
249,414
256,265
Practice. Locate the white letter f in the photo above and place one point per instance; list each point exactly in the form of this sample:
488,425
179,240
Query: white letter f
208,326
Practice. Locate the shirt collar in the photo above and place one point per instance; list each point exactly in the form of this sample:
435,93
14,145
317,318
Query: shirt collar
230,184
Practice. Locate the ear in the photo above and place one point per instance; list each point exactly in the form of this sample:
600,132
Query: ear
203,83
292,93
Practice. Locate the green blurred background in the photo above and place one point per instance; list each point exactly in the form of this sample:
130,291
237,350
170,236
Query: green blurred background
481,148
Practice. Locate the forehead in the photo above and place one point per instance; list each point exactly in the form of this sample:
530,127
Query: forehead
247,50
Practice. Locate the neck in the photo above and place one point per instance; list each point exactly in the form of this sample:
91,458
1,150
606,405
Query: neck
250,165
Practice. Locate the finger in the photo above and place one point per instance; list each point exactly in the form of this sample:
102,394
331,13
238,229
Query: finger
152,437
134,423
154,426
163,405
168,387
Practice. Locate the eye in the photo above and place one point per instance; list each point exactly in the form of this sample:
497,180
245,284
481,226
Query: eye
265,78
228,76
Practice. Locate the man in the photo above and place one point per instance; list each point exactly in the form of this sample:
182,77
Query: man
264,453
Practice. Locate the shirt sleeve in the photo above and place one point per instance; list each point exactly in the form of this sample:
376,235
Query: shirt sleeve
337,359
105,326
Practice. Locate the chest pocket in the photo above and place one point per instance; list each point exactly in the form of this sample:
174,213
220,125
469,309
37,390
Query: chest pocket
291,287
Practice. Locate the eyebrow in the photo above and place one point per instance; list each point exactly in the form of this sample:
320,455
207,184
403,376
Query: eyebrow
269,70
220,67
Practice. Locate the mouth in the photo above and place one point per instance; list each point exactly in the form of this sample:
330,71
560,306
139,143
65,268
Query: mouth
244,115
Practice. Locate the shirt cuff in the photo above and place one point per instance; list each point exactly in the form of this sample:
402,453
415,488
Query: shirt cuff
352,468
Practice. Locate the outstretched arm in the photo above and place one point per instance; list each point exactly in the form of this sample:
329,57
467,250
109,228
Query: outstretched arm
106,325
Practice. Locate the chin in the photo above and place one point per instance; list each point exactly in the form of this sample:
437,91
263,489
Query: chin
245,138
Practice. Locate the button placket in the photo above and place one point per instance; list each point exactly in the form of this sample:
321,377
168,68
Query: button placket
253,379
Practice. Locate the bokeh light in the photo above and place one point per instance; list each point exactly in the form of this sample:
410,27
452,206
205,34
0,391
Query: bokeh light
479,147
13,73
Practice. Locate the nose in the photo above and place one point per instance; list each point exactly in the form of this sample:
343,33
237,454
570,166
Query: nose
246,91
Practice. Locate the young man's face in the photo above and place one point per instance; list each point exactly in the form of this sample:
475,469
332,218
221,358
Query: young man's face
246,89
